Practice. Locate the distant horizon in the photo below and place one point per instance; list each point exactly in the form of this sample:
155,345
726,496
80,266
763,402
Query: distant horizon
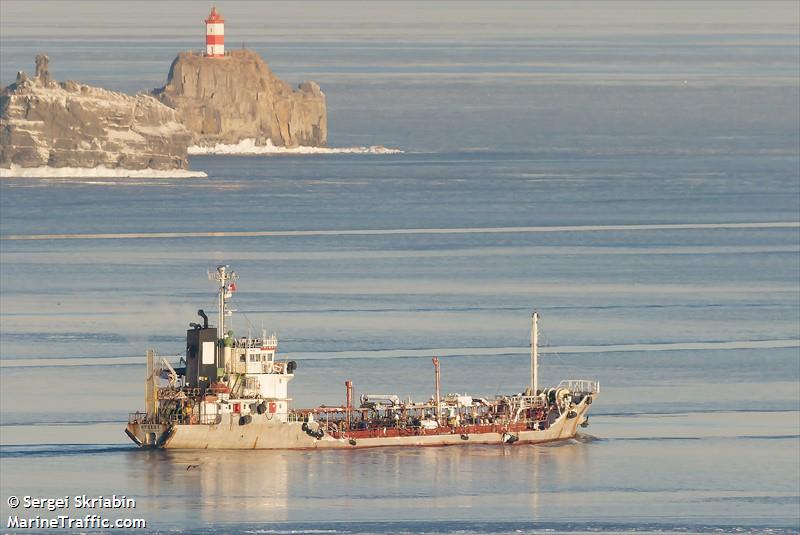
292,23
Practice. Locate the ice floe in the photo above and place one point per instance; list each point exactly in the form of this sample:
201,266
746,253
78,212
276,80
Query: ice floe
17,171
249,147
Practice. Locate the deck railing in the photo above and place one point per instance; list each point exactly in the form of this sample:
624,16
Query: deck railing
580,386
535,402
141,418
269,341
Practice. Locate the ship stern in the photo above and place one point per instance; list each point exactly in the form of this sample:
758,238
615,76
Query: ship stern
147,434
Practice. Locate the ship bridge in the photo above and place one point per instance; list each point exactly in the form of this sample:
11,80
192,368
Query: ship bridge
252,355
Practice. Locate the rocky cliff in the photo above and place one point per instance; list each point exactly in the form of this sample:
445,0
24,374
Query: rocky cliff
46,123
236,97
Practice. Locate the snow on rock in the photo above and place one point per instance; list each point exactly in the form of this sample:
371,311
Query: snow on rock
44,123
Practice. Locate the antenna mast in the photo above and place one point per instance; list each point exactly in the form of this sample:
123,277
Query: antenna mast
224,275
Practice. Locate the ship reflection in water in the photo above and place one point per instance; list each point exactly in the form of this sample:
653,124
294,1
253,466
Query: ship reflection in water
232,486
229,486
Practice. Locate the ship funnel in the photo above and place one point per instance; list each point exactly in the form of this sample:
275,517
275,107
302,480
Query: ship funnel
205,318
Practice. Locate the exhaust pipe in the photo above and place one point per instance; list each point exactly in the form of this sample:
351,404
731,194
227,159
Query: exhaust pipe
205,318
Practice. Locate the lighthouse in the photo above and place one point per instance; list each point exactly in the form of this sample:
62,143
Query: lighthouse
215,35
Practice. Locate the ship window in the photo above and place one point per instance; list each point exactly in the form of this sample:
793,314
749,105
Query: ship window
242,358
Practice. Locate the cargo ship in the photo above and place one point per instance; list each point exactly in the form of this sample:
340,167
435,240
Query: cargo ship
233,393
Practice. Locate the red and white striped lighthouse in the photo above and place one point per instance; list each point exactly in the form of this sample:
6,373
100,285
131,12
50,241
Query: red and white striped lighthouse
215,35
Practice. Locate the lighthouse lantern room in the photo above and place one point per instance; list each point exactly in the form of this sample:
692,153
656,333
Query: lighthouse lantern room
215,35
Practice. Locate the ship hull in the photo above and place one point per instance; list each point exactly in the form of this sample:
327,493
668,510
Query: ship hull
263,434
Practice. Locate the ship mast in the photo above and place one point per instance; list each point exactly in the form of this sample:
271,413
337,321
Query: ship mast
534,353
224,275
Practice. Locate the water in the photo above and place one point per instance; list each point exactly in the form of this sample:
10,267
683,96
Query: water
511,115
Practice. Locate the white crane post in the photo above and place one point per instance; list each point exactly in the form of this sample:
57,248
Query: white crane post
150,400
534,353
349,394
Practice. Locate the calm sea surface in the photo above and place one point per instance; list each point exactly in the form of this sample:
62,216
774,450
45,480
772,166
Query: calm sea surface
612,121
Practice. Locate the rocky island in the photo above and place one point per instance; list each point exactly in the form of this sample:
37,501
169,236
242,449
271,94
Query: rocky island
216,101
47,125
206,102
235,98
